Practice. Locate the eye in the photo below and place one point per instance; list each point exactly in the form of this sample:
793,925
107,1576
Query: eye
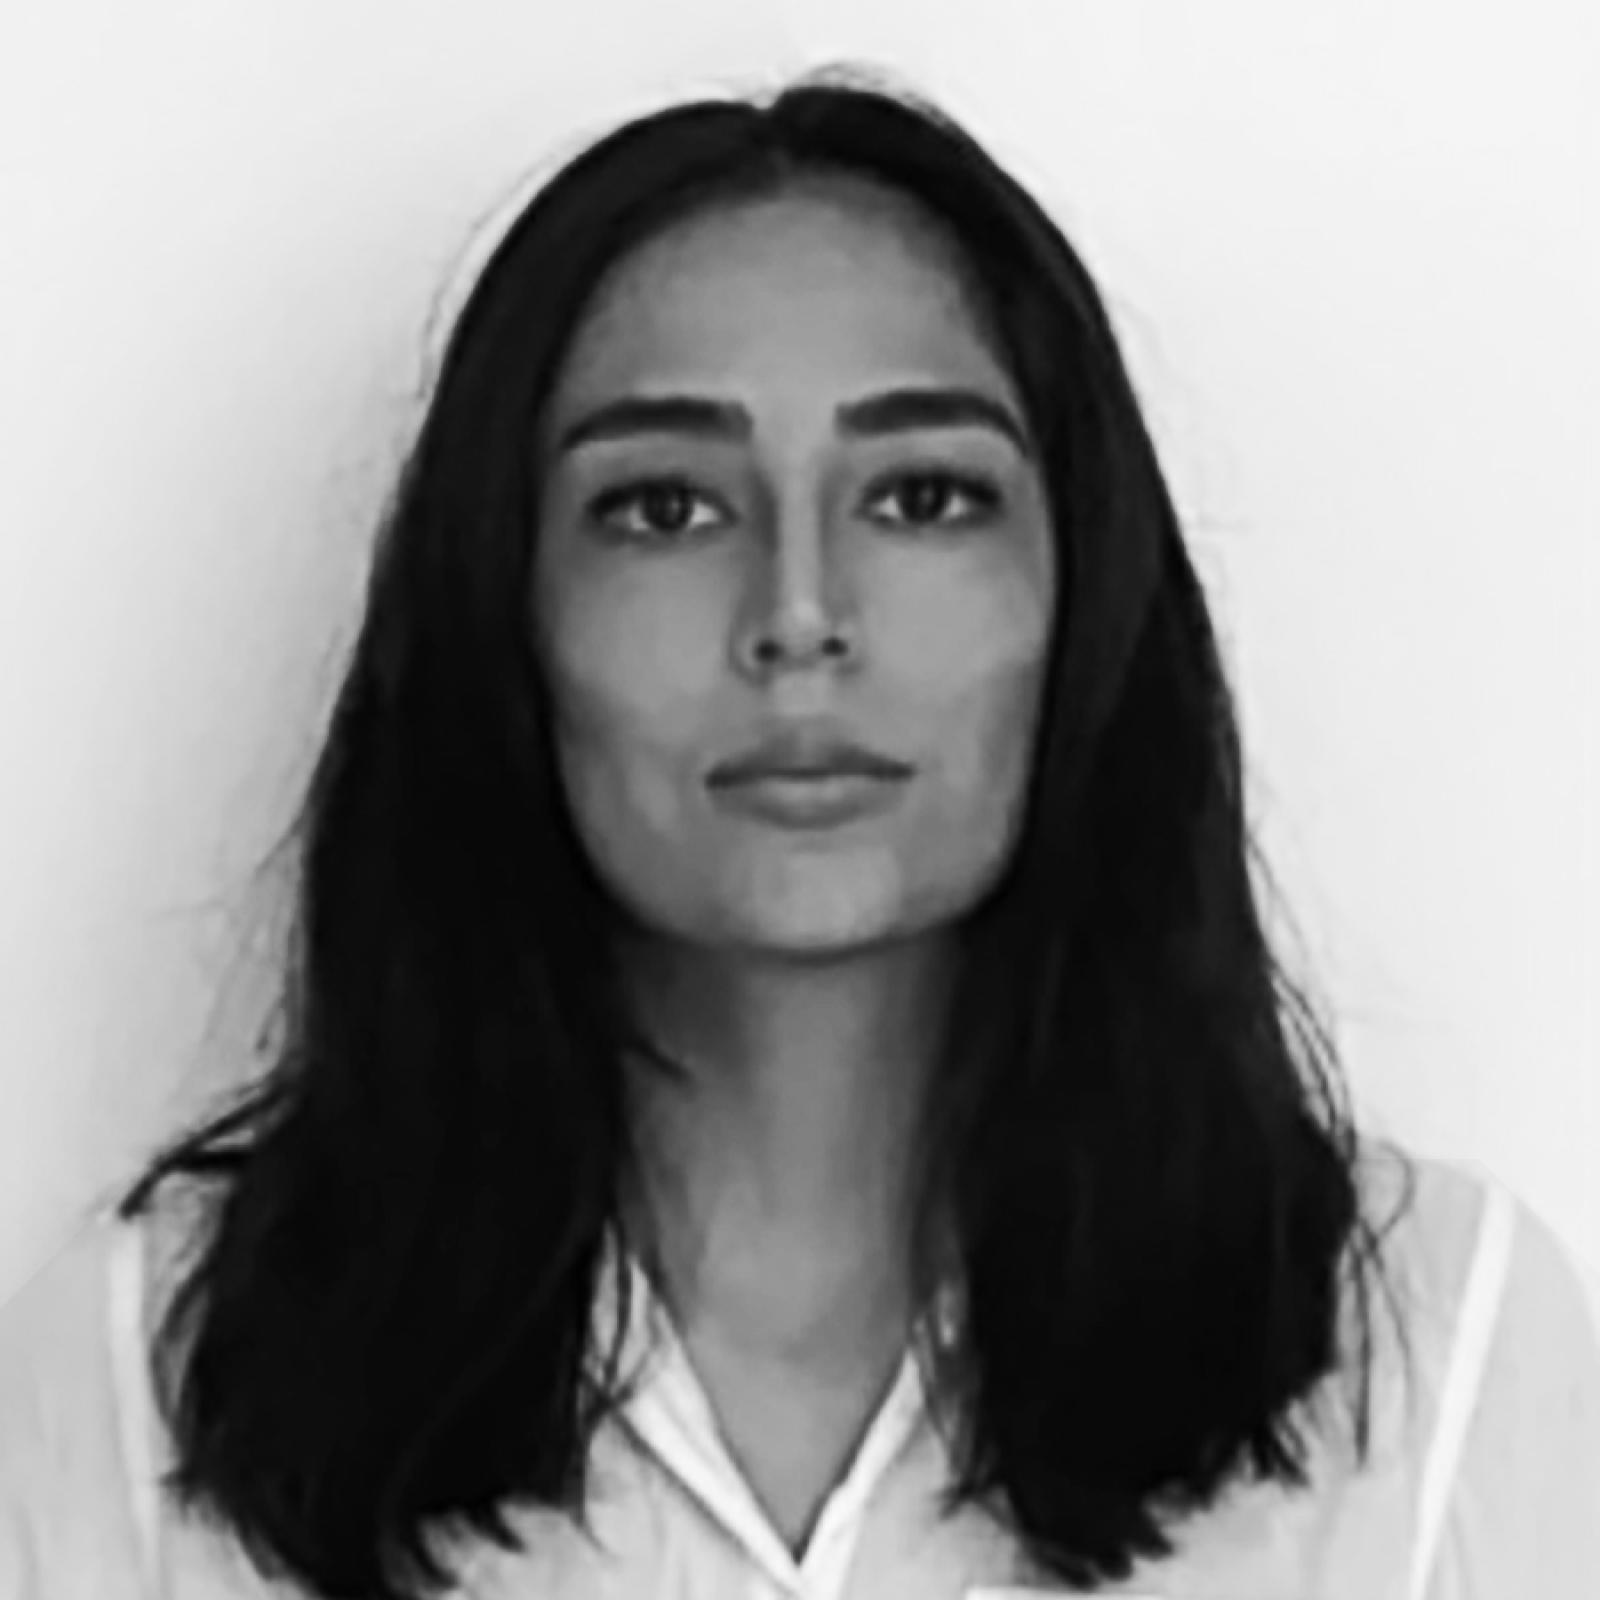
651,492
980,491
644,493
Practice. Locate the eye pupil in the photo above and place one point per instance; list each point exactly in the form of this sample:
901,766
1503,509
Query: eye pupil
654,494
919,504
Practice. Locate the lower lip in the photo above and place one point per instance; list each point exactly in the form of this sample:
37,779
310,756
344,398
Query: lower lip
811,802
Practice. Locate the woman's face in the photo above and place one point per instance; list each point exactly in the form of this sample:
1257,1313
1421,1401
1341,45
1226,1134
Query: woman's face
678,626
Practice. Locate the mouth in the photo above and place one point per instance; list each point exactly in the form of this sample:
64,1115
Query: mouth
853,764
818,774
815,799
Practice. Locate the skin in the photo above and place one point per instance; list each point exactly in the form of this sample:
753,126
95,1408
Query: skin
800,975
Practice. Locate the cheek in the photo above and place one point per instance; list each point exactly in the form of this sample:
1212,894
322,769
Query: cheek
625,644
986,758
982,676
973,655
630,681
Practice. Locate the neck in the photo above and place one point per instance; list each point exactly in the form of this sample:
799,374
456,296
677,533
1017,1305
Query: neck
778,1181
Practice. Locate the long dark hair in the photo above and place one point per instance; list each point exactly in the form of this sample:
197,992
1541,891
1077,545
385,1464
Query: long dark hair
1136,1121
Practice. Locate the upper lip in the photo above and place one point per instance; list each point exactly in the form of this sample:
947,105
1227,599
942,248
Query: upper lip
806,751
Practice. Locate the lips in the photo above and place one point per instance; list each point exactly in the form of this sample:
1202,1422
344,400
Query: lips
861,768
797,754
812,802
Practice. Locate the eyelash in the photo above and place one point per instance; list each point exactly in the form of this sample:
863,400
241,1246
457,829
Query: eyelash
980,490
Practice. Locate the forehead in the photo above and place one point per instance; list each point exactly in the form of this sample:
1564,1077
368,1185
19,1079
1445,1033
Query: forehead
825,287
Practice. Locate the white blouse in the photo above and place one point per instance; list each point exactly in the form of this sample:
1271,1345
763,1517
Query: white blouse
1483,1485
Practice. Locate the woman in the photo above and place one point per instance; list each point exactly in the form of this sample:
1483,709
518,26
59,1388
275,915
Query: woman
677,1179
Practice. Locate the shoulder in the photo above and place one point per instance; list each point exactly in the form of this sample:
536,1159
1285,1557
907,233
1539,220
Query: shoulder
75,1332
1504,1472
1497,1309
61,1469
1528,1309
1428,1215
54,1320
78,1445
1467,1245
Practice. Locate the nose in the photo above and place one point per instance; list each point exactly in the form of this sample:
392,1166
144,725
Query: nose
800,614
801,641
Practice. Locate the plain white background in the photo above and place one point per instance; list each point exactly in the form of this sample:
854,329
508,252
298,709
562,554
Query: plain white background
1352,252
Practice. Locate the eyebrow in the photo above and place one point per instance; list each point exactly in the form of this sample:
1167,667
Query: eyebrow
893,411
